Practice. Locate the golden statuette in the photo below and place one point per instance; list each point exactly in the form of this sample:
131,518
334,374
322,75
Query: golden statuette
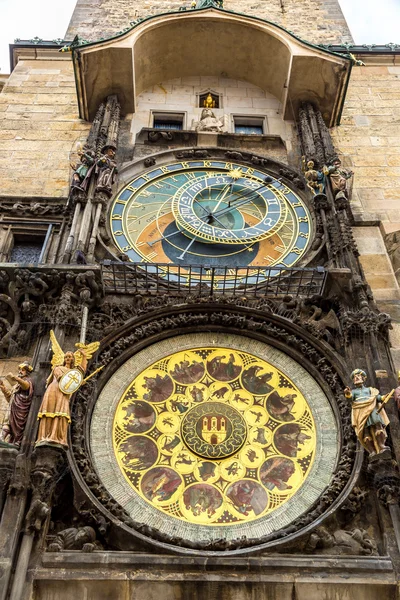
66,377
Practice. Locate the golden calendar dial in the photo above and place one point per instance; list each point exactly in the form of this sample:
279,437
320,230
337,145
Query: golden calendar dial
210,435
214,436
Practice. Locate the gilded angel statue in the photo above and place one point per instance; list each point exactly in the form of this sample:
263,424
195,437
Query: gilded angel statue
67,375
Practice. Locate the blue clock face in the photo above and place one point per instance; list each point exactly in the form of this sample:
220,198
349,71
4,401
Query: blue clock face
210,213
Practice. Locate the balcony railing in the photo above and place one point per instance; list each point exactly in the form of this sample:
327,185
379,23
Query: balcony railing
203,281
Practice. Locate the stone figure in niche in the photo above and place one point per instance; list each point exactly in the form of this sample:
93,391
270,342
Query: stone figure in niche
339,178
315,179
106,169
65,378
82,171
368,416
209,122
354,541
83,539
19,396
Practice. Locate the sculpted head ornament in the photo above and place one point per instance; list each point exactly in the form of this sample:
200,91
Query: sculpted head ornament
358,372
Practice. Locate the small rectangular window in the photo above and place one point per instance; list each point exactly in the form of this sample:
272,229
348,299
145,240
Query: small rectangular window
168,121
26,249
249,125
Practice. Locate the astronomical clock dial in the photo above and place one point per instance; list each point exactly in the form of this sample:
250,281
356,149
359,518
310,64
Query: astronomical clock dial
209,435
211,213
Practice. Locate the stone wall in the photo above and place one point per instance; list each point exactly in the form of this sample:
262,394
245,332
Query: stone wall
237,98
369,142
39,128
317,21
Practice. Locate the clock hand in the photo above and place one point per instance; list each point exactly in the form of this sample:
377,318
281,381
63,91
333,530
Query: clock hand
239,202
244,197
203,207
163,238
182,256
175,232
221,197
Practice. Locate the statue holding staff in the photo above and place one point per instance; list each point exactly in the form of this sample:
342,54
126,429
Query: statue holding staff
368,416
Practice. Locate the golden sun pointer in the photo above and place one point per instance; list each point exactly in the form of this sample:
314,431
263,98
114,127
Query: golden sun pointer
235,173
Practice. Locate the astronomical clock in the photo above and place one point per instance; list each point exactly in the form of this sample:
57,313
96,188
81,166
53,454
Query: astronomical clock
226,215
210,423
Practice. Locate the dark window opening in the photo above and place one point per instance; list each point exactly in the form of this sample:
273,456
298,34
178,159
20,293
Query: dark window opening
26,249
168,121
249,125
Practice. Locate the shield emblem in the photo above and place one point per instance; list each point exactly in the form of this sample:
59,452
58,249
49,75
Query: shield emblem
70,381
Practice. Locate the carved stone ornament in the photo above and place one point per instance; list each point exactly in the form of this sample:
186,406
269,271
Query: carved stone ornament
83,539
47,464
341,542
273,330
34,208
210,123
43,295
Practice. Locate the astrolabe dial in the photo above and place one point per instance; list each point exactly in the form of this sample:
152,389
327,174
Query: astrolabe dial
228,216
204,211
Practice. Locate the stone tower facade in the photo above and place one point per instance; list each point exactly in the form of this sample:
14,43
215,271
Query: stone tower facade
317,21
199,307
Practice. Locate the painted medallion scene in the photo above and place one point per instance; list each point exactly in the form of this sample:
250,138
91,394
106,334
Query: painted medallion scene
214,436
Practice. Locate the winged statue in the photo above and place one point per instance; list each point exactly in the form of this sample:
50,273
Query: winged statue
66,377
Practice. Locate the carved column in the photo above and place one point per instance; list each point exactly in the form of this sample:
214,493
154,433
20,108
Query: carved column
48,462
79,197
84,188
7,464
11,521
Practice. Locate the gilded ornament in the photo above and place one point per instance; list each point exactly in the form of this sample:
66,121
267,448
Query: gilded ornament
67,375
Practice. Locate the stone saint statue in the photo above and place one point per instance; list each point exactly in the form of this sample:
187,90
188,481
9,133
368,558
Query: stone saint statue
19,398
209,4
106,169
368,417
209,122
82,538
65,378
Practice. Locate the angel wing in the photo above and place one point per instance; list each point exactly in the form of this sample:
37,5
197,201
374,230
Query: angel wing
58,352
88,351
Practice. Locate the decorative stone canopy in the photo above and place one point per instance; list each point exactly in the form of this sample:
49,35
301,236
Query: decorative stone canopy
211,42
